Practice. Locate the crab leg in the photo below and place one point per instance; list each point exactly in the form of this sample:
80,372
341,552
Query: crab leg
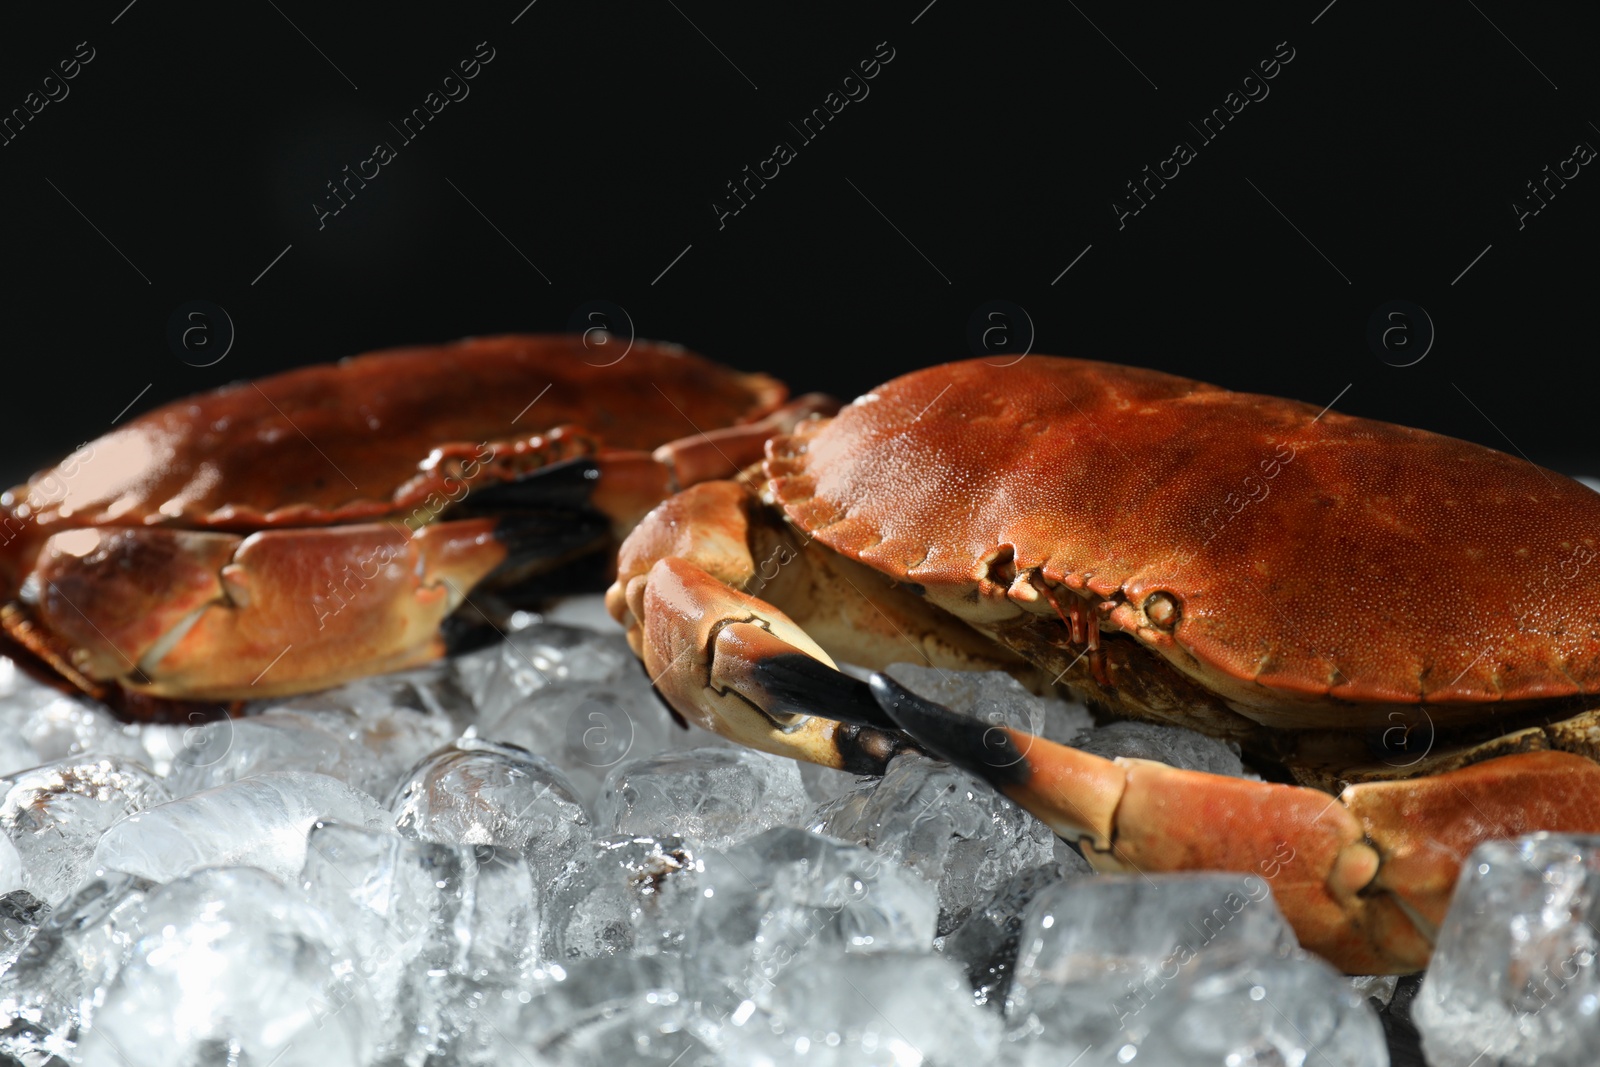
1364,878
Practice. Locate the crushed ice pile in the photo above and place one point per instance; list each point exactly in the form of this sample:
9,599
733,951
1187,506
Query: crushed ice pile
517,858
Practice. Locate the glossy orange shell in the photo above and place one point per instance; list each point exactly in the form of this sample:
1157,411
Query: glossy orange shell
1330,556
334,442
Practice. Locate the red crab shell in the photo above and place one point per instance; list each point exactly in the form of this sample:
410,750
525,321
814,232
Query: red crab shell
1311,554
350,441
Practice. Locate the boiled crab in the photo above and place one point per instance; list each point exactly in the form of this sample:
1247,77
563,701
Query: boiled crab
1401,630
295,532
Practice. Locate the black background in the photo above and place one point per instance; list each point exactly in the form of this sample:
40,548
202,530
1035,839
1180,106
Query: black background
983,162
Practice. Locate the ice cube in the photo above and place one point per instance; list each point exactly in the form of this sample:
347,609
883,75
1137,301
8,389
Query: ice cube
985,944
633,894
996,698
787,897
586,611
259,822
1114,925
1378,988
587,728
394,720
1213,1009
12,873
50,994
945,824
894,1008
21,914
477,792
1109,961
1172,745
15,753
432,696
40,725
1514,977
617,1009
502,677
204,738
474,907
54,815
277,740
715,795
60,727
231,965
440,934
825,785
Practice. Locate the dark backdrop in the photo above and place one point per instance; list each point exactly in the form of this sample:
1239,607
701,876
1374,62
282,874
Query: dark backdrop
185,159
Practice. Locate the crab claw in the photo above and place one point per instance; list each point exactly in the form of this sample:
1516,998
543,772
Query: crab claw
736,666
220,617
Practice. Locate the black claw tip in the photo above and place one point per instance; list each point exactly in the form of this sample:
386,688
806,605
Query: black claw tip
530,537
799,685
985,750
566,485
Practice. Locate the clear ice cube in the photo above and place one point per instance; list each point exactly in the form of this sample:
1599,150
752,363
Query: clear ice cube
895,1009
383,725
260,822
39,724
21,914
49,995
429,700
985,944
613,1010
54,816
442,936
231,966
502,677
587,728
715,795
946,825
1172,745
277,740
477,792
788,897
824,784
1293,1009
1112,925
634,894
12,873
1379,988
587,611
1514,977
1154,967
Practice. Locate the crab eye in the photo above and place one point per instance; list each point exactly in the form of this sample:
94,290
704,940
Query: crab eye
1161,608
